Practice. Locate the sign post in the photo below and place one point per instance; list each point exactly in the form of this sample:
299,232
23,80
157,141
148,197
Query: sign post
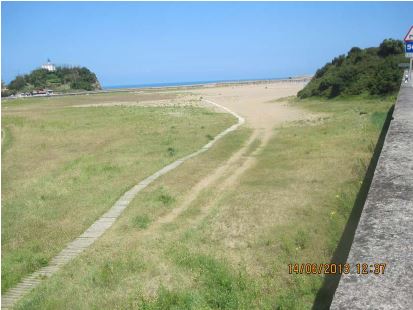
410,70
408,44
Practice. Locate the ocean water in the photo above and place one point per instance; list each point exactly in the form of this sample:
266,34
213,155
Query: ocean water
185,83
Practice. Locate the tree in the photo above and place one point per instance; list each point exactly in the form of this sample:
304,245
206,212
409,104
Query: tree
370,71
74,77
18,83
390,47
387,78
4,91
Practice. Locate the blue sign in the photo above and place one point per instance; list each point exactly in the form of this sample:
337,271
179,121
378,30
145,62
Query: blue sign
408,47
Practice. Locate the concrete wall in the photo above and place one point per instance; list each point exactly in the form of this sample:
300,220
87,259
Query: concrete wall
385,231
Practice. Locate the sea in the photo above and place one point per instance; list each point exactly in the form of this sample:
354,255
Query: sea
171,84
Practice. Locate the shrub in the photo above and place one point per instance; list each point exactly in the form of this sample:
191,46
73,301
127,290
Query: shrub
370,71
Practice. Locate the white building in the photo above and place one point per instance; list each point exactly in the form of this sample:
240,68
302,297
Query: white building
49,66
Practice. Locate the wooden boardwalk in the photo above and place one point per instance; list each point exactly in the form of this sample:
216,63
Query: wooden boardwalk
98,228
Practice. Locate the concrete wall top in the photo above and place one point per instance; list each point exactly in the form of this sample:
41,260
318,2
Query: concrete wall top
385,231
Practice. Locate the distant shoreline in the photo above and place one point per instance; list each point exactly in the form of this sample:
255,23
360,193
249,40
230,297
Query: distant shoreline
170,86
200,83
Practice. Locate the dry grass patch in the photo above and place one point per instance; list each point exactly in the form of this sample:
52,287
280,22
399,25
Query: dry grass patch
126,240
63,167
231,249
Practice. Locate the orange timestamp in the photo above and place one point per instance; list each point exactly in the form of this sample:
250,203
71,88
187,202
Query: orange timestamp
331,268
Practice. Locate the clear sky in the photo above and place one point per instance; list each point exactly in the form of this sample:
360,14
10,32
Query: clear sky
143,42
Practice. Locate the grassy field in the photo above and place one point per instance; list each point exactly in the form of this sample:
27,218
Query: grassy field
231,249
62,166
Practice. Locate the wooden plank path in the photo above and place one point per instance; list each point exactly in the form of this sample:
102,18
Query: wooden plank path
98,228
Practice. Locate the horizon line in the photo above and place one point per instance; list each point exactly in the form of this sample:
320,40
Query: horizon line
201,82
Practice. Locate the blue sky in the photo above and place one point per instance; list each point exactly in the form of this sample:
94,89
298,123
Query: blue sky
161,42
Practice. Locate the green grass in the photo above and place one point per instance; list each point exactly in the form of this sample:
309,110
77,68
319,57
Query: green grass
49,102
142,221
148,204
218,286
6,140
231,250
65,166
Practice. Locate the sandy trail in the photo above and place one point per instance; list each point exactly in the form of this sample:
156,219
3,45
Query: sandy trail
207,181
253,103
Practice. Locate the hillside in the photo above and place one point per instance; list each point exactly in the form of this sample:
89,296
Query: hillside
371,71
62,79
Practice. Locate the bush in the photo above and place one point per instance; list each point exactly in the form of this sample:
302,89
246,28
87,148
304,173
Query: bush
387,78
370,71
18,83
6,93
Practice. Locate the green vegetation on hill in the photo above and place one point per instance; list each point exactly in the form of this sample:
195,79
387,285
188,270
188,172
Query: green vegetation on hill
62,79
371,71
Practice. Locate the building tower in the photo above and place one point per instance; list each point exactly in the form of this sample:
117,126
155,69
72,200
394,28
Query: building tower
49,66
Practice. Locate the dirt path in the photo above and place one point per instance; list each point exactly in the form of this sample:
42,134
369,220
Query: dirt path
202,184
256,103
253,102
